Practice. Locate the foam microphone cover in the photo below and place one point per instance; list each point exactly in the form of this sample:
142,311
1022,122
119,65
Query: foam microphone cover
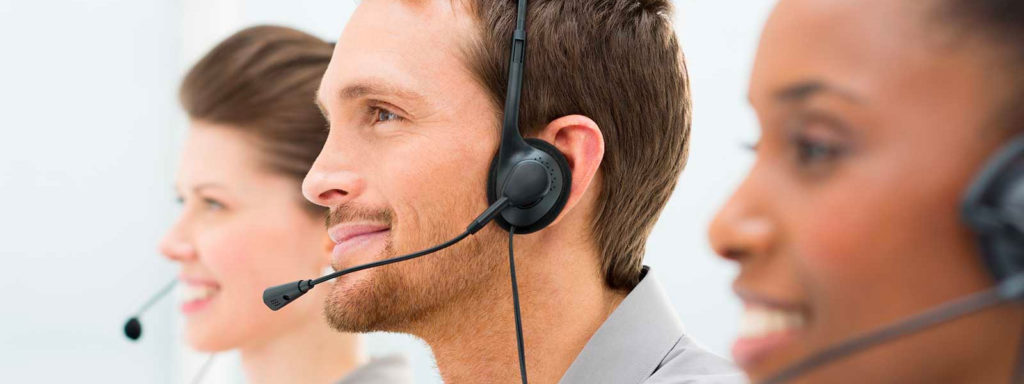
277,297
133,329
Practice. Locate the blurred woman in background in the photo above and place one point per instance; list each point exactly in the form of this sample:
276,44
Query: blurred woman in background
244,226
876,116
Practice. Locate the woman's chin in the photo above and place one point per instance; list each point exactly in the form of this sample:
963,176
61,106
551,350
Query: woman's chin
205,337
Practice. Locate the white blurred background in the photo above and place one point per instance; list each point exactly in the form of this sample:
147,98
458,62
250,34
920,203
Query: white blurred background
89,134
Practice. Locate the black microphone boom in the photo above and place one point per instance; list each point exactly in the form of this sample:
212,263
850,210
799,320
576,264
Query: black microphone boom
279,296
1012,289
132,327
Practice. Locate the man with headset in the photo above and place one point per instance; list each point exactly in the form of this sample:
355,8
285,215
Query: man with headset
413,96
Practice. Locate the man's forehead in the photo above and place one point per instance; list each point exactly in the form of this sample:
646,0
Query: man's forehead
399,42
443,21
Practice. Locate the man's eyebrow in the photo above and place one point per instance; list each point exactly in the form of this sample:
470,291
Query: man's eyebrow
378,87
369,87
802,91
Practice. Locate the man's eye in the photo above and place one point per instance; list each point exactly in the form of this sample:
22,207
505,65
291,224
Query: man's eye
382,115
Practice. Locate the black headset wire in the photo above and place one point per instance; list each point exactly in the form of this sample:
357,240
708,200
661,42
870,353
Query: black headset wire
515,304
198,378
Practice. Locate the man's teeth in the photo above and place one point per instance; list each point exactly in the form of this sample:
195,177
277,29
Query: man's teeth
197,292
760,321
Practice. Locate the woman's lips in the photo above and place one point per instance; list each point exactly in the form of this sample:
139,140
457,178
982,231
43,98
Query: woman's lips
764,330
350,239
197,296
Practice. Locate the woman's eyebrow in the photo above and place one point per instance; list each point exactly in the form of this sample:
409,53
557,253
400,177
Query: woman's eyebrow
801,91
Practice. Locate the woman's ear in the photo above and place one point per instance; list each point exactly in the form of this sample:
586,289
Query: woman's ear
581,142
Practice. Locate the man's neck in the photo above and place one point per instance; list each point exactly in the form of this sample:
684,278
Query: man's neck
563,300
311,352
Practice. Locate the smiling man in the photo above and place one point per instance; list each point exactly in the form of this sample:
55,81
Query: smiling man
413,98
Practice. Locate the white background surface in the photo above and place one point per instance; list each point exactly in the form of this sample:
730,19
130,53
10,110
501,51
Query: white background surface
90,128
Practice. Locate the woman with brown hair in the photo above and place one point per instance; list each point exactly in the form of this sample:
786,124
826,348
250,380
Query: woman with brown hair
881,121
244,226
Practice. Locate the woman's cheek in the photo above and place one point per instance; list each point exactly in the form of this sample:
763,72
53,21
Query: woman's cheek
847,253
227,252
234,260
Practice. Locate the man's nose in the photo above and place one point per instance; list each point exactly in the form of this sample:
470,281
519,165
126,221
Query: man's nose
331,185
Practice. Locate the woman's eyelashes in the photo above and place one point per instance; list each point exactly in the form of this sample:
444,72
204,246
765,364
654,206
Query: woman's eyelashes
813,152
208,204
816,142
751,146
212,205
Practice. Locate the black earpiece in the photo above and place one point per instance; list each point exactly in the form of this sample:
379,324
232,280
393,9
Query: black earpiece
537,182
994,209
531,173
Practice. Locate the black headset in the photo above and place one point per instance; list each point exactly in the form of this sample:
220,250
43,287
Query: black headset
531,173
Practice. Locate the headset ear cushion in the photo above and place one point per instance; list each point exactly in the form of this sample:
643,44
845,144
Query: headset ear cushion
564,191
994,208
565,182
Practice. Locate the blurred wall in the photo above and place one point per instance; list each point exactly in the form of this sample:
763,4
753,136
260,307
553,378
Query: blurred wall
87,94
90,132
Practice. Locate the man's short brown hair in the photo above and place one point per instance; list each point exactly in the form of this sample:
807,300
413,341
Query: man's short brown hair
617,62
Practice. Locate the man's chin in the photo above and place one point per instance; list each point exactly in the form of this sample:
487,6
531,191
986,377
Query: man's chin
404,297
367,301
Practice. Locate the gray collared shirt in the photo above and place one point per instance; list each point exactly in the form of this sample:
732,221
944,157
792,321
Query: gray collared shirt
643,342
381,370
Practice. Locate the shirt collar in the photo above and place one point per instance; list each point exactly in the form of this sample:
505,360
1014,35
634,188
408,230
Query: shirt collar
633,341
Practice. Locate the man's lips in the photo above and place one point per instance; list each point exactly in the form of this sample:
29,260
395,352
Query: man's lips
344,232
349,238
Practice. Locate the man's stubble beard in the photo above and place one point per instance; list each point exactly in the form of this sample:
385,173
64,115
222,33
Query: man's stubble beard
407,296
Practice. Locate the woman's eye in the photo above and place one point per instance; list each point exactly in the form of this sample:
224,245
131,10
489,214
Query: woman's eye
817,141
213,205
751,146
811,152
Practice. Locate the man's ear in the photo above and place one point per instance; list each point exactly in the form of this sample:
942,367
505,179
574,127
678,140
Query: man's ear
581,142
